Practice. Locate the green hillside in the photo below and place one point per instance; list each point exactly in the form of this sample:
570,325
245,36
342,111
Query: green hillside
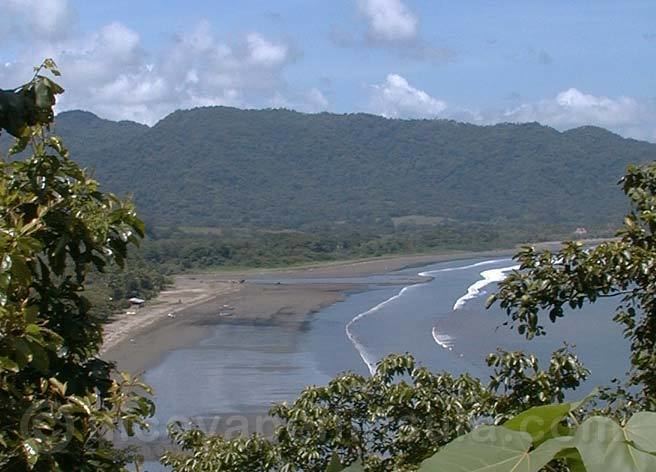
222,166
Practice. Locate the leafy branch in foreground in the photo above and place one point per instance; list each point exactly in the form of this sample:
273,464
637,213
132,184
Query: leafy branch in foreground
542,435
59,402
390,421
547,438
30,104
625,268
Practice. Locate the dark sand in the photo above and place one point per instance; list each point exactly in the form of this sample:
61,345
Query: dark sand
146,345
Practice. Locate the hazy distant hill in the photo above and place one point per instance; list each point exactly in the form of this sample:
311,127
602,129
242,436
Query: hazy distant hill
223,166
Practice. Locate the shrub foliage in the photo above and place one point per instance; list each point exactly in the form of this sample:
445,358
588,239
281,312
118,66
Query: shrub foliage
59,402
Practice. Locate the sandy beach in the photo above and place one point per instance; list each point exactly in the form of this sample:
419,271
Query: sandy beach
180,316
137,345
186,292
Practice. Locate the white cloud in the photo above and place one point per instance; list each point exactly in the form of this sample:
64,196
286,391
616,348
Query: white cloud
311,101
396,98
110,73
266,53
389,20
45,19
117,41
391,25
316,100
571,108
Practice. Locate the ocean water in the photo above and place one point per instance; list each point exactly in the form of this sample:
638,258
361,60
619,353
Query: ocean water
243,367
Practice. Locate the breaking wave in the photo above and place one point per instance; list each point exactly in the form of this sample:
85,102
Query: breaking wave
441,339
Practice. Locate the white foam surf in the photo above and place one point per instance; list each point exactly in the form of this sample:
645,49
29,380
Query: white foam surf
430,273
369,359
489,276
442,340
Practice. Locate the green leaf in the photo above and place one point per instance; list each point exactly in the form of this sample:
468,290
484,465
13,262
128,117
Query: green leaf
52,67
20,144
55,142
573,459
605,446
80,402
33,330
541,422
8,364
31,450
44,93
5,263
641,430
23,352
335,464
548,450
58,386
40,359
5,279
355,467
491,449
544,422
20,271
31,314
589,397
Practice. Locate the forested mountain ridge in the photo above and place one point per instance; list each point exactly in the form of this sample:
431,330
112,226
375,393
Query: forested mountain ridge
219,166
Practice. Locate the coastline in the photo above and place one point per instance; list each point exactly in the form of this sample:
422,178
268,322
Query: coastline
143,346
182,315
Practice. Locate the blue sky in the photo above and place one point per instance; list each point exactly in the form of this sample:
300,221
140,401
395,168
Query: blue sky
562,63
